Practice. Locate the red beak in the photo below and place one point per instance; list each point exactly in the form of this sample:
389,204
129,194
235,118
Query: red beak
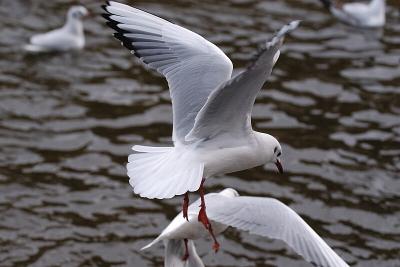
279,166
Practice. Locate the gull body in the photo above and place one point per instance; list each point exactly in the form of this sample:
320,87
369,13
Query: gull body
68,37
359,14
212,130
226,154
192,229
261,216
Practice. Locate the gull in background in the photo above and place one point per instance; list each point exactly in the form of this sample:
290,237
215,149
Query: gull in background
212,130
258,215
359,14
68,37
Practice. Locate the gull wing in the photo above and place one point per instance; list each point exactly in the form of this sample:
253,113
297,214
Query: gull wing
271,218
229,107
192,65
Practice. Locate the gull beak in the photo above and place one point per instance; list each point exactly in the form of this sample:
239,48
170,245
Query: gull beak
279,166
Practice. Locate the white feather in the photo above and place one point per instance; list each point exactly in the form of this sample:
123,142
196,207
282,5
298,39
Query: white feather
163,172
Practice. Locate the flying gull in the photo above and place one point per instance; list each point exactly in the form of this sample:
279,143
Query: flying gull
212,131
258,215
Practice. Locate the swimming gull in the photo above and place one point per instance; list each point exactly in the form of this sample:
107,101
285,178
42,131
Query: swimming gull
360,14
68,37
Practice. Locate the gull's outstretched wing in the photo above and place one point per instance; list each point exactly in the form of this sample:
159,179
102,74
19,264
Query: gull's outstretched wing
271,218
192,65
228,108
175,249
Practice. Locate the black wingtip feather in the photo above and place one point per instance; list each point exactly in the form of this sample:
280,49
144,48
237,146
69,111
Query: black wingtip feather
112,23
106,16
104,7
125,41
128,44
119,32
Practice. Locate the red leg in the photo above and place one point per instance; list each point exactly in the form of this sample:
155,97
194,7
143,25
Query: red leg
202,213
202,217
186,255
185,206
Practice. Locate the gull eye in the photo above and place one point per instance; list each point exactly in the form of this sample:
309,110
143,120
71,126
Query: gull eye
279,154
275,149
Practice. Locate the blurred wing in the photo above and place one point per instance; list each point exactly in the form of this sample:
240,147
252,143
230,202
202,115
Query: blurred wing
174,251
228,108
271,218
192,66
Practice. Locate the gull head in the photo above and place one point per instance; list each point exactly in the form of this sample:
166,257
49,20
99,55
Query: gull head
77,12
229,192
272,150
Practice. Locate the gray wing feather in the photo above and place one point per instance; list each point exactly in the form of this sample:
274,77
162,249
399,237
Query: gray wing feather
271,218
228,108
192,66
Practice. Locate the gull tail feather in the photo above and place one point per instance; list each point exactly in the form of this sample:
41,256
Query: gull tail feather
163,172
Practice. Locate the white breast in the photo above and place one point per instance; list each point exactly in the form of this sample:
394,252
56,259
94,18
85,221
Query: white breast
220,157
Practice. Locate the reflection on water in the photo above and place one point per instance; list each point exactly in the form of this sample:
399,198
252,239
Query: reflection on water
67,123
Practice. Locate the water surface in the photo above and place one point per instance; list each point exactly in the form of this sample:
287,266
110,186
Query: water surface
67,123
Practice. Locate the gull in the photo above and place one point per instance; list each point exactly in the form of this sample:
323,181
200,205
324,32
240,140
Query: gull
358,14
68,37
212,132
262,216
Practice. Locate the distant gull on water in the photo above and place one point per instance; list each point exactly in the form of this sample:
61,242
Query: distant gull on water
68,37
359,14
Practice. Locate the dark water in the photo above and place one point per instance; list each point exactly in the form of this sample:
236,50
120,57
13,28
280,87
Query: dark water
67,123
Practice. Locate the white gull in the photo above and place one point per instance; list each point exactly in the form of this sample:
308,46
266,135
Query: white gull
258,215
212,131
68,37
359,14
